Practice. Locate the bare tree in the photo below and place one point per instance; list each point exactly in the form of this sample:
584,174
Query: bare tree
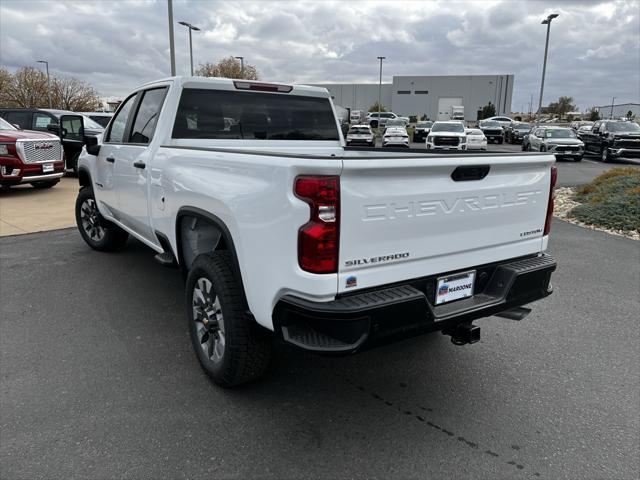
27,88
73,94
228,67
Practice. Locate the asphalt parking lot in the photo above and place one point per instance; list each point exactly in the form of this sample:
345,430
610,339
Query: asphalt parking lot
99,381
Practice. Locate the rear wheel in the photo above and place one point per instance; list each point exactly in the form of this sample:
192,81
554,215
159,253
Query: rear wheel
231,347
42,185
100,234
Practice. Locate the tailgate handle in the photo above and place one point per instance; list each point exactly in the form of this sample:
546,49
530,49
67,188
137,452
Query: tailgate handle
472,172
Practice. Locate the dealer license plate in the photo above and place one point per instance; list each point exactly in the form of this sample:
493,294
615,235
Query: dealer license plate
455,287
47,167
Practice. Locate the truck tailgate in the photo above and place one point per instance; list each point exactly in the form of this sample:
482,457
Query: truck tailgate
404,217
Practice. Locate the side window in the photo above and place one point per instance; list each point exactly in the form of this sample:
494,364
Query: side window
22,119
147,116
117,133
41,120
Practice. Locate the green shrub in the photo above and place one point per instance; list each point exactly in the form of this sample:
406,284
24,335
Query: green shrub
611,200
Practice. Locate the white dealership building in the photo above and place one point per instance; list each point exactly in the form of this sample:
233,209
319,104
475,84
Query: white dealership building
432,96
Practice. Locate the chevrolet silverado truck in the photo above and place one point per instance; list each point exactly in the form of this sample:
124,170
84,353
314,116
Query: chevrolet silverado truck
282,231
29,157
612,139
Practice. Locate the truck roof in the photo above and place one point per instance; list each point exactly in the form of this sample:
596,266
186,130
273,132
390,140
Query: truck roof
229,84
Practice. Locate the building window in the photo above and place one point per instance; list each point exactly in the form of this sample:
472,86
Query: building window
404,92
422,92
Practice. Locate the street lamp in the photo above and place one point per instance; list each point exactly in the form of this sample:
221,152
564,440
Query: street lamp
172,50
612,102
48,80
547,22
190,27
241,66
380,90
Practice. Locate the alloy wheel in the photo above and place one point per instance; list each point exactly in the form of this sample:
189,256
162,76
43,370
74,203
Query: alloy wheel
207,315
90,218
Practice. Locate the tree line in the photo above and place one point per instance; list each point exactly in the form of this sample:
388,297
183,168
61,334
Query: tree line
27,87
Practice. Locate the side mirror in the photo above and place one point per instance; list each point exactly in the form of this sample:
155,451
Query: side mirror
54,127
93,147
71,129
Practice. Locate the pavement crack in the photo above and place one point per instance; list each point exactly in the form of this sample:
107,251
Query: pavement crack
422,418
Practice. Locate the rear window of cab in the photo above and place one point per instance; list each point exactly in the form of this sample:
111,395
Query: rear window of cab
233,115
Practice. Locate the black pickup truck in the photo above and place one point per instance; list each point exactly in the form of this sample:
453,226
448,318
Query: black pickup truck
492,130
612,139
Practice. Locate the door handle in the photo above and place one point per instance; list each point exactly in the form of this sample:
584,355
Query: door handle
110,159
139,164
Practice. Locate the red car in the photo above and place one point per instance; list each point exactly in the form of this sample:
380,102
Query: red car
31,157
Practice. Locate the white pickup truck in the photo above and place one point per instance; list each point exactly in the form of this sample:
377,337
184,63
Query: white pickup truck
280,230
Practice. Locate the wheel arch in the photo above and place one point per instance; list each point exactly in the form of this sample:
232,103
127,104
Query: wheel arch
216,237
84,177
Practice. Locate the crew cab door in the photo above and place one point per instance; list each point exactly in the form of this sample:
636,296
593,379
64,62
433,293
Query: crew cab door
132,163
592,139
114,142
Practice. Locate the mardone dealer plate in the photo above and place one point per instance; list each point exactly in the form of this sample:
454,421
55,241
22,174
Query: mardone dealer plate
455,287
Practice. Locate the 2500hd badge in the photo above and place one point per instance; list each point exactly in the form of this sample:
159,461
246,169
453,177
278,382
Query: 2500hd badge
385,258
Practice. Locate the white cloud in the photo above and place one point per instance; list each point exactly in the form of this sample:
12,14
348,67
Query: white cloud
117,45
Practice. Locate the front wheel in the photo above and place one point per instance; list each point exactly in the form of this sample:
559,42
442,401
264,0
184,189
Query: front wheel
100,234
231,347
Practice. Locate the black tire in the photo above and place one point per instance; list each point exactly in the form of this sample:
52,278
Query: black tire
246,347
44,184
100,234
578,159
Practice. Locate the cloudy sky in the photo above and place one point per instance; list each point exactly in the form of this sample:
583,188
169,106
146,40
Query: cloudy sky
118,44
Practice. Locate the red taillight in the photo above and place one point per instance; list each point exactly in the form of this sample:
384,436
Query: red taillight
319,238
547,223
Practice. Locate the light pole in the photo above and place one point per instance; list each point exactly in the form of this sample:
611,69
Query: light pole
241,66
190,27
48,80
547,22
172,51
612,102
380,91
